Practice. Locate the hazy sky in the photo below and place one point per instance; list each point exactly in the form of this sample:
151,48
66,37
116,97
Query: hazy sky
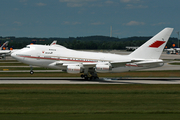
76,18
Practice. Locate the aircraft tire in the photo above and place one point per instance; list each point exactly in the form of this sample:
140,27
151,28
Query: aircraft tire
31,72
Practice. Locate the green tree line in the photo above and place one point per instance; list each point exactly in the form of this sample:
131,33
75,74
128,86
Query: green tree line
89,42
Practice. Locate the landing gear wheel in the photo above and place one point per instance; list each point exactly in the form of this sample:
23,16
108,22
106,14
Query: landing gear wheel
94,77
31,72
82,76
86,77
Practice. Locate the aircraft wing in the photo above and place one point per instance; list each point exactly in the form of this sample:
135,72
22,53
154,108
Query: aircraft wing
86,65
56,63
114,64
90,65
61,63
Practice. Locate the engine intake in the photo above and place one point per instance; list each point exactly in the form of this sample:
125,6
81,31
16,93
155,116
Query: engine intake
74,68
103,67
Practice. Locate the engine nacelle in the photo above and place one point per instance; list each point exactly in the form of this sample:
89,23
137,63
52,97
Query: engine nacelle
74,68
103,67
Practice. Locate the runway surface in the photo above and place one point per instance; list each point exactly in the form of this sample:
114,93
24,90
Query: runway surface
75,80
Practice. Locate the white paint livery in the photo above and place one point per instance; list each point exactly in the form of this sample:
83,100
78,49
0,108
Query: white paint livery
89,63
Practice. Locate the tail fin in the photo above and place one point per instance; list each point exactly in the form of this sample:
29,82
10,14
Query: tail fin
4,45
153,48
53,43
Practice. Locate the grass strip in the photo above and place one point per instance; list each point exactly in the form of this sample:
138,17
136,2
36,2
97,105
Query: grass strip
90,116
13,64
90,101
174,63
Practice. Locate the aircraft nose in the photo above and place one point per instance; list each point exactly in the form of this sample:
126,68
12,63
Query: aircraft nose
13,55
16,55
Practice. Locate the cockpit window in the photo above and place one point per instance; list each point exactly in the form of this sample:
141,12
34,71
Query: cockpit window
27,46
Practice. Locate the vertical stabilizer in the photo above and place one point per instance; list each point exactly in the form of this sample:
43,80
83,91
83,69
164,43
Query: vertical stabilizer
4,45
53,43
153,48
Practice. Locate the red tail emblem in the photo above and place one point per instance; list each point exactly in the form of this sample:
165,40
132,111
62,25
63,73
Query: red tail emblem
157,43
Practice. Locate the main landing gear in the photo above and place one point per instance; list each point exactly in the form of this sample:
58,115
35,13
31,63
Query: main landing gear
86,77
90,75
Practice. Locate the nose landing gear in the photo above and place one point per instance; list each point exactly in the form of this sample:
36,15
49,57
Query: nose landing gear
31,71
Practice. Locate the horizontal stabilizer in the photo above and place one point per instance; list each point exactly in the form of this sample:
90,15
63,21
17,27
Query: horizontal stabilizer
149,64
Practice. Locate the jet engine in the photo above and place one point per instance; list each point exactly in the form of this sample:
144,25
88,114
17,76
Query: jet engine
75,68
104,67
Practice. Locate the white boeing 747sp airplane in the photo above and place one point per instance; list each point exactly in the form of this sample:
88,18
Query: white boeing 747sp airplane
89,63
